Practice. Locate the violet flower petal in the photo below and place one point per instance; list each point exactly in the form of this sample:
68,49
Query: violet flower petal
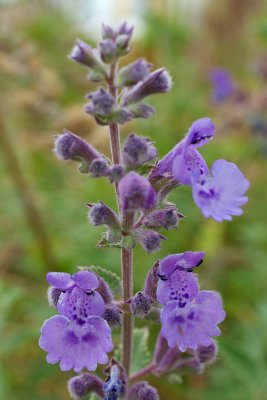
85,280
60,280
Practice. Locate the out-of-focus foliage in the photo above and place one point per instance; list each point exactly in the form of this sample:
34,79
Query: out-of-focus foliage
42,92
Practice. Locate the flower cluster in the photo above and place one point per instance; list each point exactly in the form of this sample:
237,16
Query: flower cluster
79,337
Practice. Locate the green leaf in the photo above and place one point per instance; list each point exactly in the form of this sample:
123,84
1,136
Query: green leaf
104,242
141,354
93,396
110,277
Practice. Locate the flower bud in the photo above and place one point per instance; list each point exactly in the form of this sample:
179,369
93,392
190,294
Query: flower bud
121,115
82,53
138,150
107,32
123,37
104,289
81,385
165,218
114,387
142,391
53,295
113,316
101,214
99,167
149,240
141,110
102,103
140,304
151,282
69,146
108,50
135,192
158,81
133,73
115,173
207,354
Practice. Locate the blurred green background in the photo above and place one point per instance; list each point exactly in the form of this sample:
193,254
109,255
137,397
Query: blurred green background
43,225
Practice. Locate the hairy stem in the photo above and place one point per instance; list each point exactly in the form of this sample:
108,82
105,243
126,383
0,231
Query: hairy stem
126,255
142,373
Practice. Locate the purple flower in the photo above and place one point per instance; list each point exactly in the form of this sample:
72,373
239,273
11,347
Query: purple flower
82,385
102,103
77,338
99,167
76,346
135,192
220,194
108,50
223,84
148,239
200,132
158,81
180,286
138,150
182,261
194,325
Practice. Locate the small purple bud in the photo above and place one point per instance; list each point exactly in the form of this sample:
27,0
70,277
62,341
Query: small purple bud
108,50
151,282
125,29
113,316
101,214
165,218
83,53
158,81
116,172
81,385
207,354
104,289
149,240
140,305
69,146
142,391
138,150
99,167
102,103
53,295
141,110
123,37
133,73
114,387
135,192
107,32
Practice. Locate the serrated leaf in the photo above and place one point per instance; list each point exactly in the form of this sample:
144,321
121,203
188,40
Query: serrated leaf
110,277
141,354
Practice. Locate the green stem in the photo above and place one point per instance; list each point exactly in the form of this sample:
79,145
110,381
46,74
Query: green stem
126,255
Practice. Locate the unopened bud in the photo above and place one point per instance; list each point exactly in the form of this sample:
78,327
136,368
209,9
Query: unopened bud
165,218
102,103
53,295
99,167
69,146
80,386
82,53
138,150
148,239
116,172
133,73
140,305
108,50
123,37
158,81
107,32
113,316
142,391
101,214
135,192
207,354
151,282
114,387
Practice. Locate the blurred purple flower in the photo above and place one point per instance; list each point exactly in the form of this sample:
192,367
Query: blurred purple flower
222,84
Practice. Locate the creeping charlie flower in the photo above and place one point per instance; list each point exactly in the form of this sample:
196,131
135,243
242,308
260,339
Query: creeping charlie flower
78,337
135,192
219,193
